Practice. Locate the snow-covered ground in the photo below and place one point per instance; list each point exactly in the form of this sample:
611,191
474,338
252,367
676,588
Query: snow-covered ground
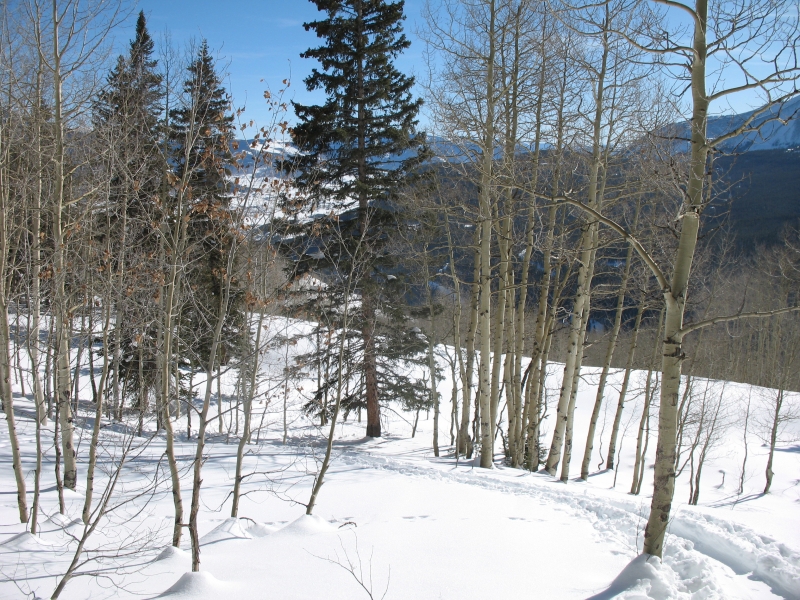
400,521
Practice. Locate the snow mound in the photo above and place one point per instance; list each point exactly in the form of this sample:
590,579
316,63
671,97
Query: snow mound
26,541
229,529
62,521
743,550
199,586
258,530
644,578
172,552
307,525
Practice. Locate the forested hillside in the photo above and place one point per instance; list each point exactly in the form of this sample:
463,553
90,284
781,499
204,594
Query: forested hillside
763,198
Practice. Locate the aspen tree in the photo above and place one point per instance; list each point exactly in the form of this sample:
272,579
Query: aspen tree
612,344
586,269
8,218
623,392
77,34
358,267
757,21
644,421
518,424
746,25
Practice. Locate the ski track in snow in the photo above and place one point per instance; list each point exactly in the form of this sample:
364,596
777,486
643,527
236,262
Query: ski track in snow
695,541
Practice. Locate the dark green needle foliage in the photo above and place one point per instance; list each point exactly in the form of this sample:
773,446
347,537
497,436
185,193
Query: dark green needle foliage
202,131
127,114
360,148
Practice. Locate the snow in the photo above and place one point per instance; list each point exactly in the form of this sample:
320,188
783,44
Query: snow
199,586
777,128
401,520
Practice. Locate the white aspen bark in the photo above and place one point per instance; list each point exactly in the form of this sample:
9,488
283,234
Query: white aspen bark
119,308
704,450
498,328
644,449
484,371
36,270
34,331
575,341
542,315
743,472
541,331
6,366
463,426
508,321
643,425
485,210
675,298
568,432
247,409
5,386
683,413
61,309
434,393
98,416
540,402
326,461
203,423
343,339
37,476
518,449
540,370
612,344
171,300
468,370
585,272
612,444
773,439
57,465
176,239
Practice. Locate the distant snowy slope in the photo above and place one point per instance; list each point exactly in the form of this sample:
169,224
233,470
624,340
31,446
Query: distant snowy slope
773,130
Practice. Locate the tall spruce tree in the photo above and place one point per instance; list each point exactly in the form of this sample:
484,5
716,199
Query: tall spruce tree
127,114
129,108
359,149
202,131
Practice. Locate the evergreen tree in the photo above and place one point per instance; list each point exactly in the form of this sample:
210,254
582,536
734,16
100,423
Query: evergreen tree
202,131
126,115
128,110
359,148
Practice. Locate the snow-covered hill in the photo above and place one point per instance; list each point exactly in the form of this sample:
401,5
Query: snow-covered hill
778,128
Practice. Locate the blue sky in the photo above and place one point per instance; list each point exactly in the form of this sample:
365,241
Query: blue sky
257,40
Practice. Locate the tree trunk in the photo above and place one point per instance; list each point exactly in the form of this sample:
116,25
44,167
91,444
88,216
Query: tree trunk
60,303
197,481
247,410
573,347
472,330
612,344
6,366
98,416
675,297
773,439
485,225
8,403
623,392
568,432
643,424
